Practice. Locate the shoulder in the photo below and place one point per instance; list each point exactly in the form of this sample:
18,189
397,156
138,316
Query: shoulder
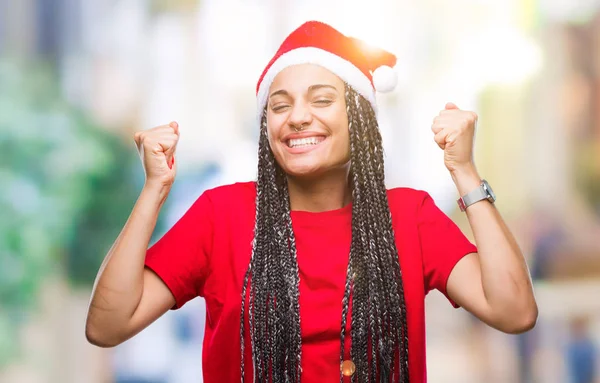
232,196
232,191
412,205
222,203
405,198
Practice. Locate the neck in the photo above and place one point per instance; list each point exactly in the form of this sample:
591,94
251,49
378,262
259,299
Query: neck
327,192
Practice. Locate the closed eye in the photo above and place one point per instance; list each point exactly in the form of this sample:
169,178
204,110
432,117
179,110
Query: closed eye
278,108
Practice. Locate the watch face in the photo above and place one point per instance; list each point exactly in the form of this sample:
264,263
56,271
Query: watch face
488,188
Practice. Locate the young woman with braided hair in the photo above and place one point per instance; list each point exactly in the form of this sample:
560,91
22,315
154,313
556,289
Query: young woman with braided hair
315,272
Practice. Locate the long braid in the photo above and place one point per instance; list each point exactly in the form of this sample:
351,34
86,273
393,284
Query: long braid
272,280
393,273
383,295
373,279
374,273
360,301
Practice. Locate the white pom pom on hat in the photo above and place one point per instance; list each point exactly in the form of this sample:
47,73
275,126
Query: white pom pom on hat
364,67
385,79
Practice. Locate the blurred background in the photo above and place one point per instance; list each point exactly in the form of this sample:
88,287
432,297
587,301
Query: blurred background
78,78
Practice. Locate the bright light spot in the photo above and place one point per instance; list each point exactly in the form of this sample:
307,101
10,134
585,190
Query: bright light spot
498,56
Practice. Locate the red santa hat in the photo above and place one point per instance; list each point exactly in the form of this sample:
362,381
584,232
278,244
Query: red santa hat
366,68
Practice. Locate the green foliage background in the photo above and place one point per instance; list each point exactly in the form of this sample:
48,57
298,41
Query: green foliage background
67,187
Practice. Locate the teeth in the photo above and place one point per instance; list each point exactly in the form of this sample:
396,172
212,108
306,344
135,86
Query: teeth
294,143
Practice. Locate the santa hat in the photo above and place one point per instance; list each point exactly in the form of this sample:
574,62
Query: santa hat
366,68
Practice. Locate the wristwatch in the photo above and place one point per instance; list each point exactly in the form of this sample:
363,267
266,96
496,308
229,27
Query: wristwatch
484,191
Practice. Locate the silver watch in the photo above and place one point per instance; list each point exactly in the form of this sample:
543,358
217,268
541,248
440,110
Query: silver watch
484,191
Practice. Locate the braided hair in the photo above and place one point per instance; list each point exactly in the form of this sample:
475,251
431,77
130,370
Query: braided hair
373,279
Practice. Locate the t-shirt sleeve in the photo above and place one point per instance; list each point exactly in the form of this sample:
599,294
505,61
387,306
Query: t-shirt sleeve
181,256
443,244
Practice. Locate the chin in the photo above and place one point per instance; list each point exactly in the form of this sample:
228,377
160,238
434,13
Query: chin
303,170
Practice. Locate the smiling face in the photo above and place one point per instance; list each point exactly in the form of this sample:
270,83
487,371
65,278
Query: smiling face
310,99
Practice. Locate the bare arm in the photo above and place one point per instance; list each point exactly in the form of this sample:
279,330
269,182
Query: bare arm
126,296
493,284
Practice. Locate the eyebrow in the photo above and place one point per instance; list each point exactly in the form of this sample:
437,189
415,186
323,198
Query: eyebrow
311,88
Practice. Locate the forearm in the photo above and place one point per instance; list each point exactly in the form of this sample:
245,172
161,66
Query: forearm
119,284
505,276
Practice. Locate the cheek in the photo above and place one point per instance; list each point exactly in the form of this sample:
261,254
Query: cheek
341,118
272,132
275,123
273,139
344,137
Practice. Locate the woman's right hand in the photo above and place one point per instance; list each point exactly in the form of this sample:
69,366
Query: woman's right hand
156,148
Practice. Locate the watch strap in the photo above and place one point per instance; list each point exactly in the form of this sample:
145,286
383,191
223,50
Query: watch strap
471,197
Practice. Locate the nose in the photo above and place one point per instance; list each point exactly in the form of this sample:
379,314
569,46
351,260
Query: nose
300,116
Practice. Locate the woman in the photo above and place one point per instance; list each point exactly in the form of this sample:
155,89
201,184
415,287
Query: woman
315,272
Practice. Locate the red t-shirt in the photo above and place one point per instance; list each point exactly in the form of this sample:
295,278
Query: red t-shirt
207,252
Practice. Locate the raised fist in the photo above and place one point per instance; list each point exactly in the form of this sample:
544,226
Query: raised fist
156,147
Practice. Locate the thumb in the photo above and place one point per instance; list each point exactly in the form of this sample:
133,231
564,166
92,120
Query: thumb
450,105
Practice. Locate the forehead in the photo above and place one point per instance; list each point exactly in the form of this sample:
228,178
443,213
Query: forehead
302,76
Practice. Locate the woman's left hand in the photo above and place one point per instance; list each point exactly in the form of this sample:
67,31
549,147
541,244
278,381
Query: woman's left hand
454,131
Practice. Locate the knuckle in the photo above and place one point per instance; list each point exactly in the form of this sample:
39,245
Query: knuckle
470,118
140,137
145,136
